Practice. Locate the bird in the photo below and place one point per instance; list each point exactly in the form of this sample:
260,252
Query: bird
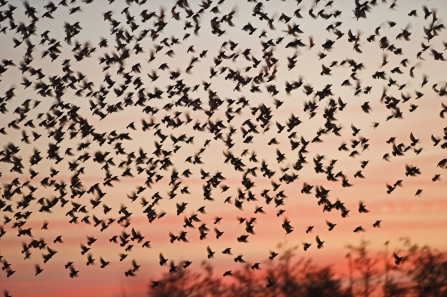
162,261
397,259
272,255
377,224
73,272
255,266
239,259
186,263
90,260
172,267
319,242
330,225
38,269
84,249
103,262
135,266
45,226
210,253
227,251
362,208
358,229
306,246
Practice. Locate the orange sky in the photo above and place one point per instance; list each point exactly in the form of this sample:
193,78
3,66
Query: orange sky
422,218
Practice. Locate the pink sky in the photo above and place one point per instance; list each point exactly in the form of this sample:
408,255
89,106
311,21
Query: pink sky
421,218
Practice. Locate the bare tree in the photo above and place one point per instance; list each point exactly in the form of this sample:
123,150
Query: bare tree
423,272
188,283
365,266
427,269
391,287
289,278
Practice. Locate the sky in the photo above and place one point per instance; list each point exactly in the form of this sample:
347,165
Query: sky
402,213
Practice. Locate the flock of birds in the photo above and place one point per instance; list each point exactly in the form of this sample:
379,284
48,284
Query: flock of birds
133,37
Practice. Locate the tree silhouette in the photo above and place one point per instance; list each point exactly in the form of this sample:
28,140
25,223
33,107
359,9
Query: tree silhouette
427,269
365,267
391,287
186,282
291,278
423,272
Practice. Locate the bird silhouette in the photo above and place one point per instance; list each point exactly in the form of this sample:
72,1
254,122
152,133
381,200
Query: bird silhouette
330,225
319,242
103,262
397,259
38,269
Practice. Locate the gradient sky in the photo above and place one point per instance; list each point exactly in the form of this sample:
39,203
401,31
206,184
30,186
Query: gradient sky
422,218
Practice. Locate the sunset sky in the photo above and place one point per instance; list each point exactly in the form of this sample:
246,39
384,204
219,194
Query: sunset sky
403,214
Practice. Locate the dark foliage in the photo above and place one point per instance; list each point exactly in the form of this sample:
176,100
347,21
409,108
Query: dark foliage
423,272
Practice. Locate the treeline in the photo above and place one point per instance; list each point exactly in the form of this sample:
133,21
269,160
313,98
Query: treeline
422,272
